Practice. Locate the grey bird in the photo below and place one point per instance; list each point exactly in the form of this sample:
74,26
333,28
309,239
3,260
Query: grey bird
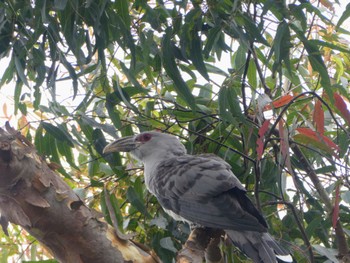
201,189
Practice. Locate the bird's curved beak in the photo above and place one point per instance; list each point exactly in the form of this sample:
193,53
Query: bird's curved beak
125,144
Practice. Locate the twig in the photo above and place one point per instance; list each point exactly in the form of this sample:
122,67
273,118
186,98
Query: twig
341,239
300,226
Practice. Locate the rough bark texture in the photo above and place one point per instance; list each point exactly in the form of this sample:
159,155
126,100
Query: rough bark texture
203,243
36,198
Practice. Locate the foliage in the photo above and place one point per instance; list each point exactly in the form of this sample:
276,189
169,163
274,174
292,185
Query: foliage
263,84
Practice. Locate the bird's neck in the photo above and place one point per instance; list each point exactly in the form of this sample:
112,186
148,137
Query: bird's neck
150,166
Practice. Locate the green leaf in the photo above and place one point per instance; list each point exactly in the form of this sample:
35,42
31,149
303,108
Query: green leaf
313,226
113,113
212,38
71,72
325,169
58,133
253,31
131,76
251,74
122,7
124,96
20,70
344,16
60,4
196,56
39,140
213,69
240,59
346,197
136,201
168,244
173,72
329,253
8,74
126,39
318,42
160,222
316,61
298,13
17,95
65,150
281,47
229,108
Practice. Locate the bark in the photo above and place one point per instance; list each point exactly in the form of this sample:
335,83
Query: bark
36,198
203,243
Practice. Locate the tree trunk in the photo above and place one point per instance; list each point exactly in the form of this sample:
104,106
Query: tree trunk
36,198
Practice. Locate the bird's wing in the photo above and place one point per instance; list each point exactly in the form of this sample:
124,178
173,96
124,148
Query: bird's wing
203,190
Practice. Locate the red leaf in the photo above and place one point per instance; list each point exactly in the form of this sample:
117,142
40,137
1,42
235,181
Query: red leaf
341,106
282,101
318,117
279,102
260,141
318,137
336,207
284,148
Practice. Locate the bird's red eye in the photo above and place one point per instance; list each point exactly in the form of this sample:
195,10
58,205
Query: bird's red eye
144,137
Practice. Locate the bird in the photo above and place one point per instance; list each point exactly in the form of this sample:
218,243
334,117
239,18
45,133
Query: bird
201,190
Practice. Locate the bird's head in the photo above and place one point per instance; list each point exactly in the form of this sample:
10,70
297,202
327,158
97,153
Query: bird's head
148,145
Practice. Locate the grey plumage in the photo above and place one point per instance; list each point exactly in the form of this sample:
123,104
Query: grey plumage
200,189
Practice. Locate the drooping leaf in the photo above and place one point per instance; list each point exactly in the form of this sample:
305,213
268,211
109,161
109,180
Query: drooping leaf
131,76
228,103
197,57
17,95
66,151
297,12
240,59
173,72
253,31
8,73
281,47
284,100
318,117
329,45
329,253
212,38
252,72
342,107
318,137
122,8
316,61
260,141
60,4
58,133
168,244
71,72
344,16
136,201
20,70
346,197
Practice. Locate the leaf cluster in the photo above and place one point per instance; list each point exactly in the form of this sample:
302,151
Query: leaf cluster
262,84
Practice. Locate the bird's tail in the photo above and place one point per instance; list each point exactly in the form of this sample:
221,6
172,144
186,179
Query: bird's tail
260,247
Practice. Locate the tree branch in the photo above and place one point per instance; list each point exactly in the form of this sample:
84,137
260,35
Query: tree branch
36,198
341,239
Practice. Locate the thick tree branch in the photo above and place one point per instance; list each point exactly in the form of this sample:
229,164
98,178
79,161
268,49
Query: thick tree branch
36,198
203,243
